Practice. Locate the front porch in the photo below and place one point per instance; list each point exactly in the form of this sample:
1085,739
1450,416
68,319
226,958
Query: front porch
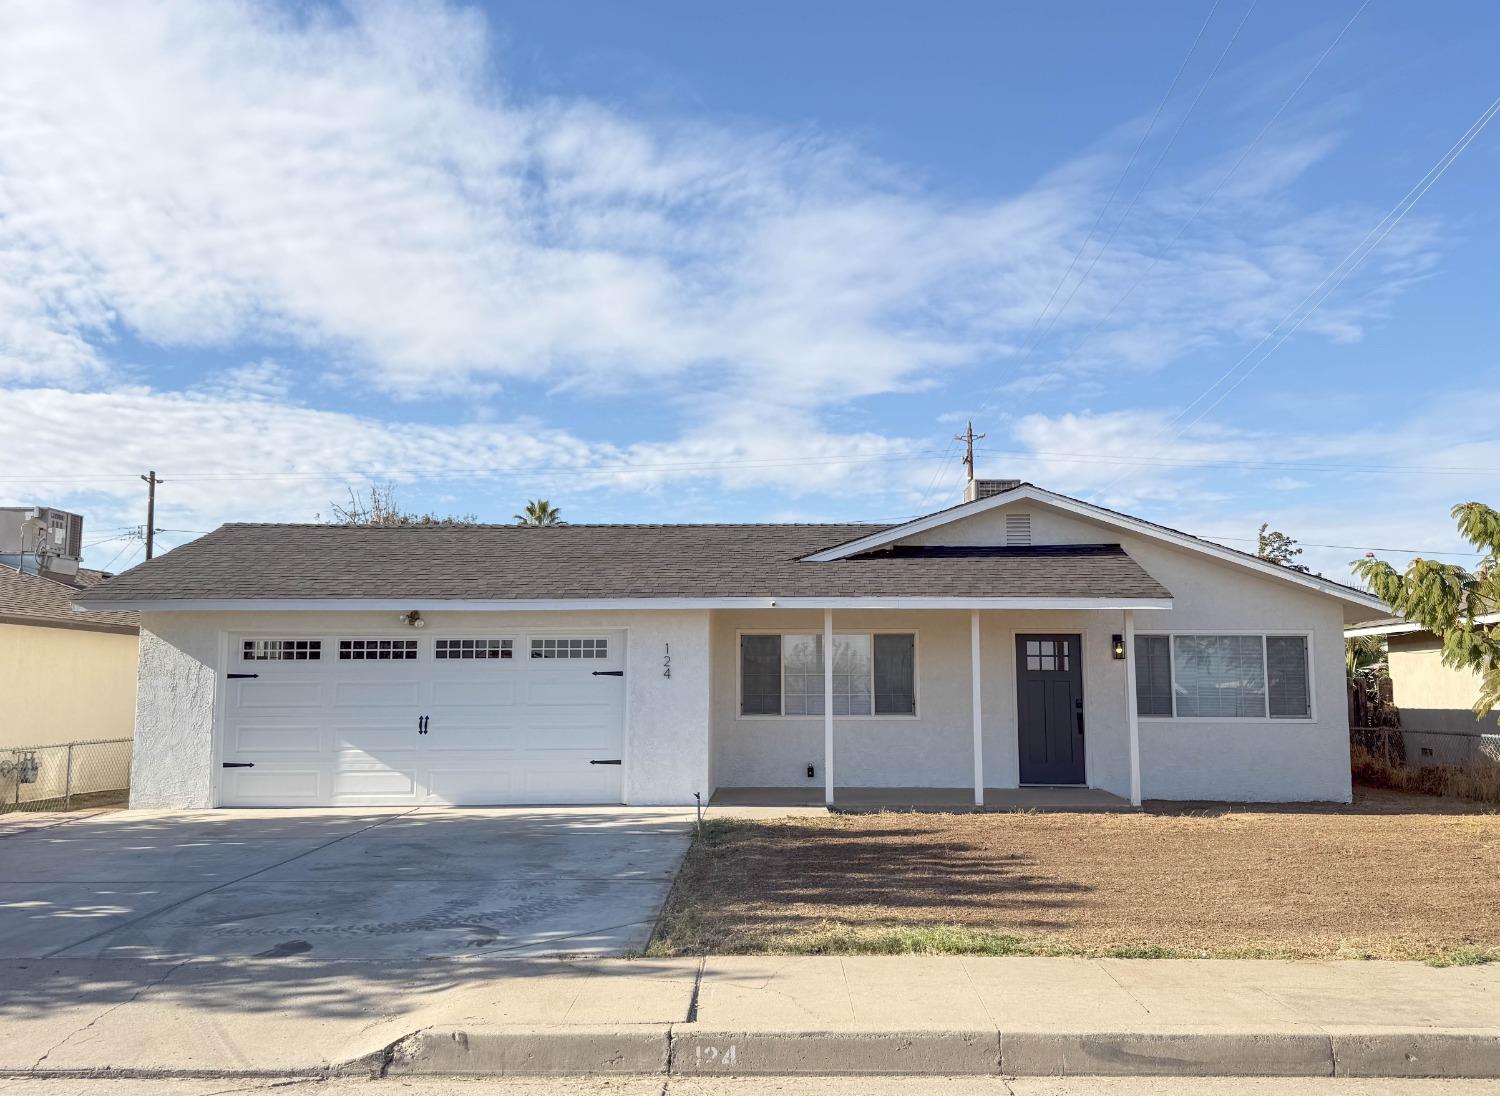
1042,799
933,709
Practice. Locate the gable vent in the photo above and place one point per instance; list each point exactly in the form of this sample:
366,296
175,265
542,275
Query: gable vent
1017,529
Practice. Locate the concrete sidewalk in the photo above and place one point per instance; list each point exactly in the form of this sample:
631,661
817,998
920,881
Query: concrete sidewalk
736,1016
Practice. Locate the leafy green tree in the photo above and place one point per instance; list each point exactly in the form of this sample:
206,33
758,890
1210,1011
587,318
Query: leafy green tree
1448,600
378,507
1364,655
1276,547
540,512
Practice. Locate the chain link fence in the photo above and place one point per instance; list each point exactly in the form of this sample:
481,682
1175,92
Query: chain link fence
1418,749
66,776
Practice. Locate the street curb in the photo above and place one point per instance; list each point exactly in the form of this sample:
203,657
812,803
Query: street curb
1204,1053
532,1051
1387,1053
696,1051
692,1050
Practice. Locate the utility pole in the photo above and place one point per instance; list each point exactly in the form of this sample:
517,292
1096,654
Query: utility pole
968,437
151,481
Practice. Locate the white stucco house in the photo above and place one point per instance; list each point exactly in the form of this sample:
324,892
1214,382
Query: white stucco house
1020,638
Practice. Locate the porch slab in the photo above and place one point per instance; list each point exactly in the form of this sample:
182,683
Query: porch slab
923,799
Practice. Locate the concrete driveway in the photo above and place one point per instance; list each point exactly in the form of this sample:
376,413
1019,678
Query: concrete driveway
338,884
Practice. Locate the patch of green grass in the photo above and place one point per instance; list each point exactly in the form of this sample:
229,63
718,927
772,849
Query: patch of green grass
1464,957
915,940
1142,951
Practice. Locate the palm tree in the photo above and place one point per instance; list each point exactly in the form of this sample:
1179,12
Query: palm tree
540,512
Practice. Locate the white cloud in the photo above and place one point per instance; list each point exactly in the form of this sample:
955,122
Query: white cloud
197,175
232,457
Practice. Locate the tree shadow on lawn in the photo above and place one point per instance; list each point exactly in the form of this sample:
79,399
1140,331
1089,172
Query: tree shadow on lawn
753,877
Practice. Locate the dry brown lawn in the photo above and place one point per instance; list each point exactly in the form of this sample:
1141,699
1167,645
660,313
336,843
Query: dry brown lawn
1392,876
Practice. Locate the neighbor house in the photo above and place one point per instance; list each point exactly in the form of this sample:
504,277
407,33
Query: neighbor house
1021,638
1436,702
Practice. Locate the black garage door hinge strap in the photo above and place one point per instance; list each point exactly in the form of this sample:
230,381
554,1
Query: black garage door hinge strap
616,761
239,764
609,673
233,676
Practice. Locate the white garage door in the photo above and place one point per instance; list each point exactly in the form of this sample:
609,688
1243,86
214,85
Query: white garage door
372,720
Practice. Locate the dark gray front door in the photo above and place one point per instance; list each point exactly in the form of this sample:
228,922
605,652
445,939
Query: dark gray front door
1049,707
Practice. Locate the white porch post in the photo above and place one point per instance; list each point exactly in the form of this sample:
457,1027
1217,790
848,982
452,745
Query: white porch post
828,706
976,683
1131,714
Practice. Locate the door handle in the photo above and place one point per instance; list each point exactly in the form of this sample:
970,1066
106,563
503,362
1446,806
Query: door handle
421,724
1078,704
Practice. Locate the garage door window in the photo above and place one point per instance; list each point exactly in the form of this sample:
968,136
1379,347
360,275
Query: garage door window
283,650
570,648
377,650
473,648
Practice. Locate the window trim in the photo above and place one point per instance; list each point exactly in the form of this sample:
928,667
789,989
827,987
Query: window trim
793,630
1237,720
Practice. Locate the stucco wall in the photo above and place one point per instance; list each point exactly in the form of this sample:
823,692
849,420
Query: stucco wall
1433,697
936,748
65,685
667,742
1263,759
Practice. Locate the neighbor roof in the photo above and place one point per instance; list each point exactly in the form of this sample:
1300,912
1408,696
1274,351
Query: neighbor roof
504,563
31,599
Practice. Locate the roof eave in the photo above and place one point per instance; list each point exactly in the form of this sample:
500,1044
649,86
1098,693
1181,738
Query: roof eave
426,605
1033,493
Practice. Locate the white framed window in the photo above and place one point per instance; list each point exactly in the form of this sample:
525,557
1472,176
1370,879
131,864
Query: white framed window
1223,676
474,649
377,650
874,674
585,647
282,650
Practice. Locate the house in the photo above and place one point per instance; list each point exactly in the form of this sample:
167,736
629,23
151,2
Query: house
65,676
1019,638
1436,702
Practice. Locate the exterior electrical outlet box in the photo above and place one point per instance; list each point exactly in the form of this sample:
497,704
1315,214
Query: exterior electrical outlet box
811,772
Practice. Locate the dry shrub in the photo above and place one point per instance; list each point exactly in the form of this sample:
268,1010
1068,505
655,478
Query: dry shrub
1480,782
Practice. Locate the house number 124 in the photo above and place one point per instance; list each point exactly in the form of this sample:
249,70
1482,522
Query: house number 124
666,661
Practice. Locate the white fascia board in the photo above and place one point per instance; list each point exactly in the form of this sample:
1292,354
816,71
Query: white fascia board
273,605
1104,517
1405,626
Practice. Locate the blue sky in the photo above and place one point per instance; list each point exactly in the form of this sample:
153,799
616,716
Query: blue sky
684,261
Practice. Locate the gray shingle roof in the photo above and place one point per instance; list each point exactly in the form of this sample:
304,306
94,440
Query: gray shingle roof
506,562
31,599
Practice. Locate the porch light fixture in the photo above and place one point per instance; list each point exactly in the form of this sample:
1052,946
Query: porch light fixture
1117,645
413,619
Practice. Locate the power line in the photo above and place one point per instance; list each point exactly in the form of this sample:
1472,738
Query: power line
1212,194
1290,466
129,547
1147,181
1352,547
1027,344
1318,295
456,473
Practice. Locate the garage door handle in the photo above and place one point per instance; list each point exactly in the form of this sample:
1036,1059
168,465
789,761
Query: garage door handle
239,764
233,677
609,673
616,761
